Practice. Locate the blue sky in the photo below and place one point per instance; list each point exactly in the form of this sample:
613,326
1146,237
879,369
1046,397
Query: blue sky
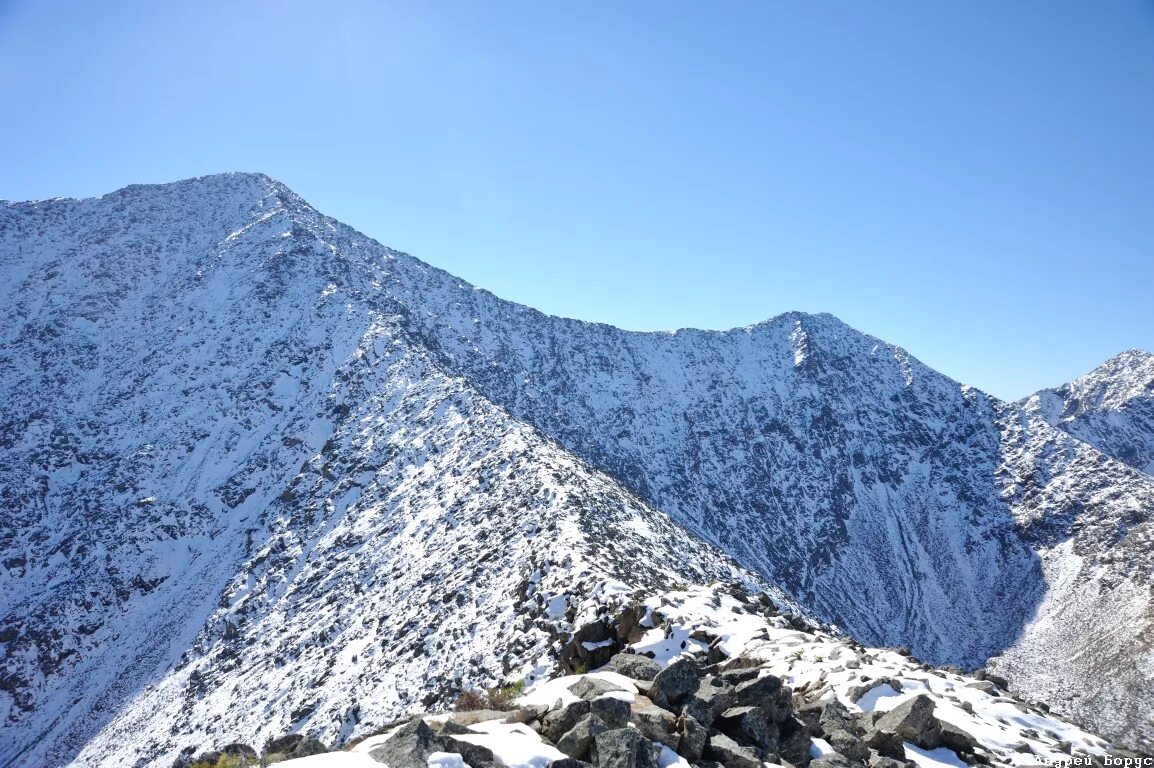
971,180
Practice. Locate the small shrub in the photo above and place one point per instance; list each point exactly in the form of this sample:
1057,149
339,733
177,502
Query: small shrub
500,698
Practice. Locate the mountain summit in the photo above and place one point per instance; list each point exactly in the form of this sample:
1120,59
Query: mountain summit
262,473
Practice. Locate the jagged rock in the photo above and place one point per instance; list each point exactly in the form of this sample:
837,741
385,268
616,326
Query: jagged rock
613,712
589,688
591,646
579,740
629,629
794,742
760,692
985,686
310,746
881,761
750,724
858,691
557,722
914,721
408,747
569,762
835,760
832,721
473,754
885,743
956,739
283,745
240,750
451,728
693,739
712,696
675,683
729,753
634,665
734,677
623,748
656,723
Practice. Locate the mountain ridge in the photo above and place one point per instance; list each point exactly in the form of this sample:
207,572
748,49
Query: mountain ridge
884,496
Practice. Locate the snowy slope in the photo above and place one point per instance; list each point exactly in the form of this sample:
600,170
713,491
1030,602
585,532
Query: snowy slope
261,472
1111,408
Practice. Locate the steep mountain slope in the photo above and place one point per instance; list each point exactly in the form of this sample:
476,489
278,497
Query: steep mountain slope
244,443
241,499
1111,408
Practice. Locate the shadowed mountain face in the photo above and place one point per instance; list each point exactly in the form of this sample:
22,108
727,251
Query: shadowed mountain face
255,463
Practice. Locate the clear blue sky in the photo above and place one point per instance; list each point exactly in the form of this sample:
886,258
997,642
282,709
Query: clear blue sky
971,180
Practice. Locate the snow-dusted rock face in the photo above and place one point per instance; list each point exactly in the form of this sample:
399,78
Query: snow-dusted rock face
1111,408
260,473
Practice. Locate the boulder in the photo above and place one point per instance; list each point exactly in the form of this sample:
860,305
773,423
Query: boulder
712,697
556,723
729,753
753,725
309,747
473,754
881,761
675,683
858,691
569,762
794,742
284,745
591,687
591,646
613,712
623,748
634,665
758,692
693,738
578,741
655,723
956,739
914,721
835,760
885,743
408,747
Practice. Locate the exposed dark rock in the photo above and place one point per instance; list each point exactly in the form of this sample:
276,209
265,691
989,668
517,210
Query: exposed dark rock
623,748
729,753
590,688
712,697
753,725
956,739
578,741
655,723
795,742
675,683
590,647
759,692
885,743
556,723
835,760
613,712
634,665
408,747
858,691
473,754
914,721
694,736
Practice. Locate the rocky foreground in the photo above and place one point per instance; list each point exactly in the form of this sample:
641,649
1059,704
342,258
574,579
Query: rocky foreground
714,677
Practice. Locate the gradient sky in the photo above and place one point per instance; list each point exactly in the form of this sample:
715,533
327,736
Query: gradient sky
971,180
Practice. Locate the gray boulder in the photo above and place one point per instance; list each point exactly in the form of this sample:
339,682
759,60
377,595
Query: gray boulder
675,683
914,721
590,688
885,743
623,748
835,760
634,665
578,741
655,723
729,753
693,738
558,722
408,747
613,712
758,692
473,754
753,725
713,696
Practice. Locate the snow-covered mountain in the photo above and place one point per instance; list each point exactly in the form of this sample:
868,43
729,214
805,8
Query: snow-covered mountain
1111,408
261,473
